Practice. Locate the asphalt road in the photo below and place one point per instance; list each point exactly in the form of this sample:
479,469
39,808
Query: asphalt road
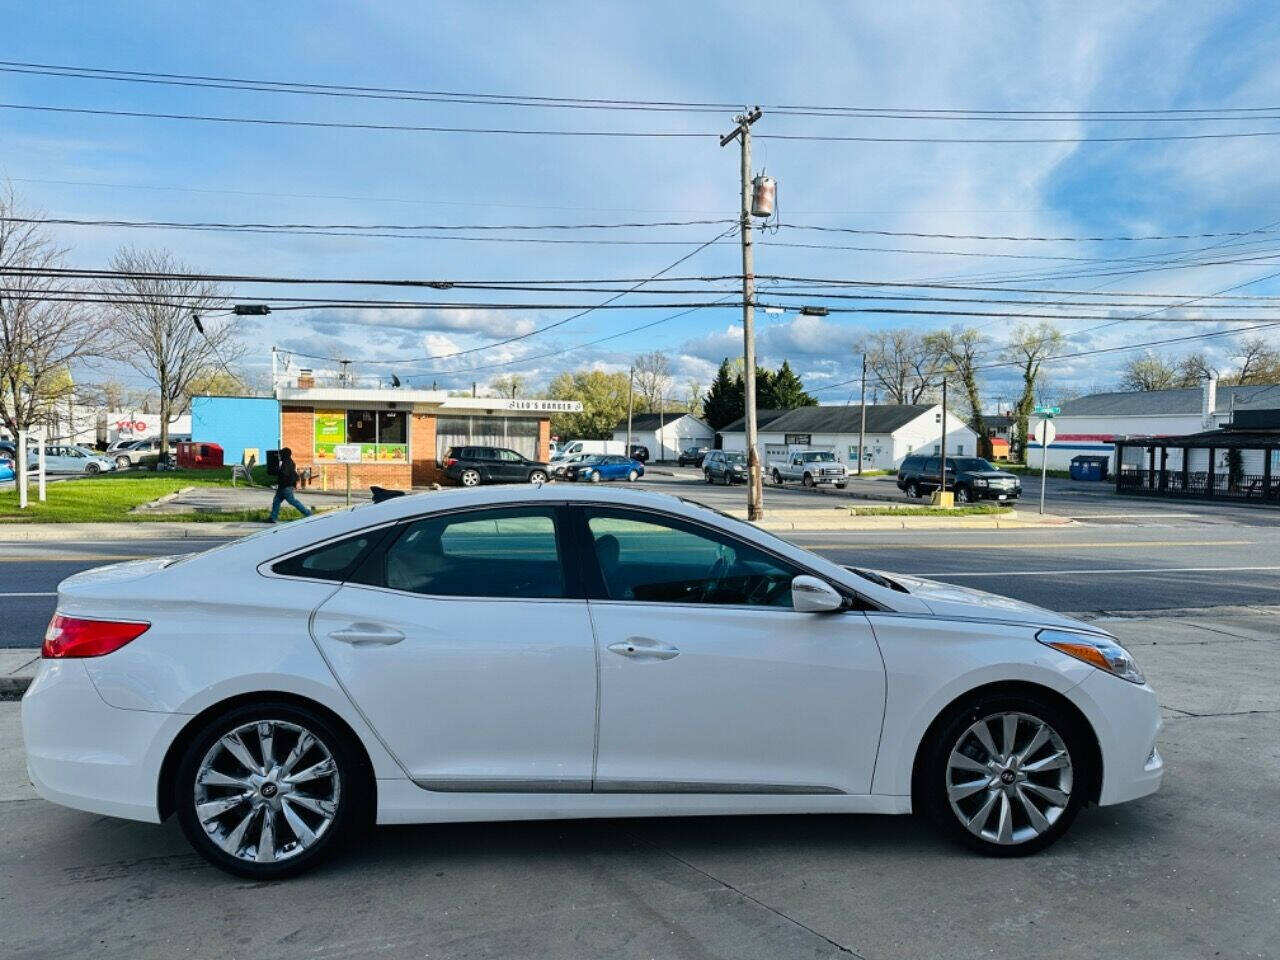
1121,556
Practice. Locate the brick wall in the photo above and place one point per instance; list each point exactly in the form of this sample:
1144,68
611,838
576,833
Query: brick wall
297,432
422,446
544,439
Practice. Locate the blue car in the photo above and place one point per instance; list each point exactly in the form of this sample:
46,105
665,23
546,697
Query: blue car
6,470
595,469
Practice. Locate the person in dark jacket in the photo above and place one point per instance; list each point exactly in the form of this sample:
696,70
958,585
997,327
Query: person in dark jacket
286,481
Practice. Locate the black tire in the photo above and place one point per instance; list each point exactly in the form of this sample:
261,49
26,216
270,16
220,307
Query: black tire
777,478
707,476
963,495
808,480
911,490
470,478
352,814
538,476
933,775
91,468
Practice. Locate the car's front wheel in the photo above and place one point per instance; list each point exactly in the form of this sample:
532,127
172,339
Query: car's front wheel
538,476
633,476
1006,775
268,789
123,463
470,478
91,468
707,475
808,480
594,476
963,495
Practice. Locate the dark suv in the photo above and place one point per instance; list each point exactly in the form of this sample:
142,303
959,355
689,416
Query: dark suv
692,456
970,478
472,466
720,466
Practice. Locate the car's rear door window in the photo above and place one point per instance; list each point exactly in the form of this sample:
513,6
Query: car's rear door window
507,553
334,561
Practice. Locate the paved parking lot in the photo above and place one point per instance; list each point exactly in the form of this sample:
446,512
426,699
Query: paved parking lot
1191,872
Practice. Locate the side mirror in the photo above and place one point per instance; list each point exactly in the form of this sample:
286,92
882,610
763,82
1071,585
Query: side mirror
811,595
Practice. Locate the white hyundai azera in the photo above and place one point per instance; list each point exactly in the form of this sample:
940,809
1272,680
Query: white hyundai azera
525,652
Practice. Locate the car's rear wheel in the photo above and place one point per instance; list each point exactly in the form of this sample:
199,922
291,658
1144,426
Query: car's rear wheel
777,478
470,478
122,463
633,476
538,476
911,490
267,790
1006,775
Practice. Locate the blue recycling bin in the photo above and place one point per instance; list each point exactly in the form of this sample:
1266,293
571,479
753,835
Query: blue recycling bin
1086,467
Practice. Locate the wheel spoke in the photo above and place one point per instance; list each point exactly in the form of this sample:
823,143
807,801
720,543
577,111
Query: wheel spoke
314,772
1010,731
216,778
266,737
958,791
1038,822
960,761
1056,797
1004,833
305,742
266,852
211,809
323,808
306,836
232,841
1038,740
979,819
983,733
1055,761
235,746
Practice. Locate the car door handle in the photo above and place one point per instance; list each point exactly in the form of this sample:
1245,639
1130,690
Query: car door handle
643,648
367,635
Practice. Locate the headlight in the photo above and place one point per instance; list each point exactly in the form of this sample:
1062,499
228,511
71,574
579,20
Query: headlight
982,483
1104,653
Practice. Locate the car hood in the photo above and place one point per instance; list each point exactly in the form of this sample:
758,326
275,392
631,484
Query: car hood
948,600
990,474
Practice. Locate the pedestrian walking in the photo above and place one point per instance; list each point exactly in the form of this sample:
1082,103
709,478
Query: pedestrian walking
286,482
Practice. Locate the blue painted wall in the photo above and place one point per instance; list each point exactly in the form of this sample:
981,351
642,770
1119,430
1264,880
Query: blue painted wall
236,423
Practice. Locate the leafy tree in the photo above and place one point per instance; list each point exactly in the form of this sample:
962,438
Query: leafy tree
962,348
723,403
508,385
1259,362
604,404
1149,372
216,382
1027,349
693,399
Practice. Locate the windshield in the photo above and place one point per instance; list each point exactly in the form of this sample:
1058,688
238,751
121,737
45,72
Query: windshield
820,457
971,464
736,457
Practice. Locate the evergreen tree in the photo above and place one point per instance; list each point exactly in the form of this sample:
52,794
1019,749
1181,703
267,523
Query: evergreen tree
723,403
786,391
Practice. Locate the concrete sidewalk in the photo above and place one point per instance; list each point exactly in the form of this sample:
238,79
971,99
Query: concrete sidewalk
821,517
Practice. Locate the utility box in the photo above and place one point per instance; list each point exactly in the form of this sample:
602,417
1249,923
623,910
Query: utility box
199,456
1086,467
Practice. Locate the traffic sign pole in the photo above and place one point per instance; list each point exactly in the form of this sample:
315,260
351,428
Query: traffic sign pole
1044,456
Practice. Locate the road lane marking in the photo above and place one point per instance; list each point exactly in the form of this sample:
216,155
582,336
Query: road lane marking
1059,545
1094,572
54,594
80,557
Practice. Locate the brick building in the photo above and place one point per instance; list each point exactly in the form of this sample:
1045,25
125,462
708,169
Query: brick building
404,433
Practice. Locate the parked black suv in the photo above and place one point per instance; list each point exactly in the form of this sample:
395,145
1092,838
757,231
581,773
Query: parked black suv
970,478
725,467
692,455
472,466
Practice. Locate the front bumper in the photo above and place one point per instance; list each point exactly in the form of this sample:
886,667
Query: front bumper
83,753
1126,720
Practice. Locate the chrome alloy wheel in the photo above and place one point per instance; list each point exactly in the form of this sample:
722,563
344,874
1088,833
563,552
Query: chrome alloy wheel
1009,778
266,791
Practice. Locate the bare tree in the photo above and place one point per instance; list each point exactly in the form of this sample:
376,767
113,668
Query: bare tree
1027,349
1194,369
1259,362
905,365
41,334
507,385
961,349
693,400
153,299
653,379
1149,372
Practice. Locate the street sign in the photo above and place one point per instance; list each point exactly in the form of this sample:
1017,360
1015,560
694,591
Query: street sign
1044,433
346,452
1048,411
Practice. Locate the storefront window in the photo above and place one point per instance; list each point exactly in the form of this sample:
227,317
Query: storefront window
383,435
514,433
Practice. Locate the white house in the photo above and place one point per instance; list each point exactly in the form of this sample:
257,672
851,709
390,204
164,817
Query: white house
893,431
1088,425
665,434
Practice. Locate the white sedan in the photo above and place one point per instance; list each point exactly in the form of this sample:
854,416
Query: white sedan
522,653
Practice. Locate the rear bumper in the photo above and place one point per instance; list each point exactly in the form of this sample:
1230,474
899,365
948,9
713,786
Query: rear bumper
85,754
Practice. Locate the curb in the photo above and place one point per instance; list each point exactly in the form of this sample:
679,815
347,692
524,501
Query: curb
138,530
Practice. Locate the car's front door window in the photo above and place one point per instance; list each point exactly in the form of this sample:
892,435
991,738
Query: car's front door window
649,558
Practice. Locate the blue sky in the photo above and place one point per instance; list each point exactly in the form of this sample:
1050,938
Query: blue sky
994,56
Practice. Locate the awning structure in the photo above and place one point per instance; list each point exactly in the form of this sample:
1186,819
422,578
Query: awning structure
1240,462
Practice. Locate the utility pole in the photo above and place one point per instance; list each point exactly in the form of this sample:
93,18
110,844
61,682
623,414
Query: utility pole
755,488
631,392
862,426
942,463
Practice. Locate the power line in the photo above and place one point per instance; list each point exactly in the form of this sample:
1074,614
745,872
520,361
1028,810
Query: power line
84,222
1029,238
623,134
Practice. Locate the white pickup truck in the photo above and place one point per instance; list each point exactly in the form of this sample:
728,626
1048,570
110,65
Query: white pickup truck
810,467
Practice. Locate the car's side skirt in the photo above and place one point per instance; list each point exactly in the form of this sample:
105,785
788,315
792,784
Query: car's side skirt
524,785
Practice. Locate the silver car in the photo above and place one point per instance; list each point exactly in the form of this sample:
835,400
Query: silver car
71,459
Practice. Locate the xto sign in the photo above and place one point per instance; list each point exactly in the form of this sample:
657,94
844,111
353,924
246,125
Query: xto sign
131,426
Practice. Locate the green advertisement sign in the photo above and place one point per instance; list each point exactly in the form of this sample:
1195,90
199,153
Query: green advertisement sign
330,430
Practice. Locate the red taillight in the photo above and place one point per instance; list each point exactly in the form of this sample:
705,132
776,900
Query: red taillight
450,461
73,637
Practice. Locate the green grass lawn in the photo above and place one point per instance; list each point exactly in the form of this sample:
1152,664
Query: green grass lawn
110,497
977,509
1030,471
